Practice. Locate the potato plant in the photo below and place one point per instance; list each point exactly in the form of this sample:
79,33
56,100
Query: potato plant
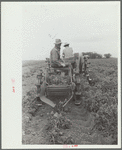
102,99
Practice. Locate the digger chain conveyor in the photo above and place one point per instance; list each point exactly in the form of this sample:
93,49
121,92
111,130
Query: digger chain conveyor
42,85
48,101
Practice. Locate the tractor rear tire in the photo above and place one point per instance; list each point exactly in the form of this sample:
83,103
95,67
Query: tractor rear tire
80,63
46,76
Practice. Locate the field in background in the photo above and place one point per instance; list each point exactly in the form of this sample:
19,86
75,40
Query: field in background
32,62
99,102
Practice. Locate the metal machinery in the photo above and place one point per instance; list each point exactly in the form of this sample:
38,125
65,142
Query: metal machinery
65,81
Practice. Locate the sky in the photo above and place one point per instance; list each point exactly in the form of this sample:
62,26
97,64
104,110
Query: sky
87,26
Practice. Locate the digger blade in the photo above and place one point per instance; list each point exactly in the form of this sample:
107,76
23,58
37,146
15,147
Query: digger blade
47,101
42,96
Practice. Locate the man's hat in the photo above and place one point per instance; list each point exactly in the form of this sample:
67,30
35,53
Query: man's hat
66,44
58,41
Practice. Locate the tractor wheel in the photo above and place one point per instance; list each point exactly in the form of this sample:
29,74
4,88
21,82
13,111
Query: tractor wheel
80,63
46,76
74,97
77,100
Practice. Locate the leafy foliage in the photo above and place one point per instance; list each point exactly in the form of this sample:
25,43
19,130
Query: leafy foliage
55,124
102,99
107,55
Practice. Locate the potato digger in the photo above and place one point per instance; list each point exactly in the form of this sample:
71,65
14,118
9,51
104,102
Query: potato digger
63,82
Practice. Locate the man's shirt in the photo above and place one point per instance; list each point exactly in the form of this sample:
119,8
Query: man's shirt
68,52
55,56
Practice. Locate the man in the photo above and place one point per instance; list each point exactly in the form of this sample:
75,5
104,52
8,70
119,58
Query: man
56,61
68,51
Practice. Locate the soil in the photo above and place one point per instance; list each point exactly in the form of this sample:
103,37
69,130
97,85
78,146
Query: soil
35,117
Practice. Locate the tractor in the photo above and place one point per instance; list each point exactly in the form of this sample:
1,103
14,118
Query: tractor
63,82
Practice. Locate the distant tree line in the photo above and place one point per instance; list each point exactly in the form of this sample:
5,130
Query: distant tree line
94,55
107,55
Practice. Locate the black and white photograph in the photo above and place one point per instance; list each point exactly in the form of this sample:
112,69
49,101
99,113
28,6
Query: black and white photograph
69,72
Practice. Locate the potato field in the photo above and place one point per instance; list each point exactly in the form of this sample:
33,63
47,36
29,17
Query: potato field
94,122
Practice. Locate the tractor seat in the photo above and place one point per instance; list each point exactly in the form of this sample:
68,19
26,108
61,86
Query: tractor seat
62,68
